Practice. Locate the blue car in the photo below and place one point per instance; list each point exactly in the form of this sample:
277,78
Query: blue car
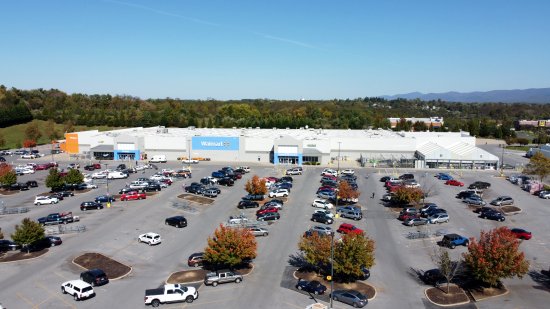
104,199
445,177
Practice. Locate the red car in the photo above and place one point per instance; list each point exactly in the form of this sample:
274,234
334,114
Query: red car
324,188
41,167
346,228
394,187
132,195
521,233
405,216
166,181
454,182
265,210
274,179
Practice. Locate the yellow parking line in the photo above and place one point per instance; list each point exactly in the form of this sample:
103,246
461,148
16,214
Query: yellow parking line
55,295
25,299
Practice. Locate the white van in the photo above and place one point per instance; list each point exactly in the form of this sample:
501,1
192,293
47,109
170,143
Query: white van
116,175
158,159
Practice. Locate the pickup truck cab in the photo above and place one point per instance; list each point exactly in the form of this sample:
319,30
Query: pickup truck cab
133,195
222,276
58,218
170,293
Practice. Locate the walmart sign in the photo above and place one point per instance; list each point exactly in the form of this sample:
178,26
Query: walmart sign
214,143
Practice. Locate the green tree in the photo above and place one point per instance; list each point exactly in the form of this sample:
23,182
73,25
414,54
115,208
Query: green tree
230,247
51,131
54,179
7,175
538,165
495,256
316,250
419,126
68,127
351,253
447,267
28,232
255,185
2,140
74,176
32,132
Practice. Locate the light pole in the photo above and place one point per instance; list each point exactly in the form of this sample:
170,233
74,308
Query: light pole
332,235
107,170
189,155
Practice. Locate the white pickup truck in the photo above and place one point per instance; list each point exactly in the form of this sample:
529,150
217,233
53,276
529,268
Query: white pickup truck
170,293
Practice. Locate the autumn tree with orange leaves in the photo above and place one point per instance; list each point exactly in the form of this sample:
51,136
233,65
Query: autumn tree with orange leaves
230,247
255,185
345,191
29,143
7,175
408,195
496,256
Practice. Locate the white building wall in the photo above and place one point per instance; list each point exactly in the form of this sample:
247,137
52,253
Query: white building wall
154,143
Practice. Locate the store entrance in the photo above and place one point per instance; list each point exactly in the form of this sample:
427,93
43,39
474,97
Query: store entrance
288,160
126,156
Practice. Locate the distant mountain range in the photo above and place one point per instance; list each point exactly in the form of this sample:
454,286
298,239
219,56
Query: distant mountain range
533,95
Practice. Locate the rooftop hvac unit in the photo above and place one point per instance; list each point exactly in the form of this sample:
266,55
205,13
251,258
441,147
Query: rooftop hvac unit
191,127
165,130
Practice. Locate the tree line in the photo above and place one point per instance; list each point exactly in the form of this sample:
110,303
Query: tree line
483,119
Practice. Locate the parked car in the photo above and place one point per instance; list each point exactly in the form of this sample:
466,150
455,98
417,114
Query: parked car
150,238
444,176
39,200
350,213
177,221
483,209
453,240
545,194
226,181
474,200
8,245
270,216
247,204
325,194
502,201
324,211
439,218
222,276
320,203
434,277
53,240
321,217
278,193
104,199
293,171
479,185
346,228
454,182
133,195
320,229
94,277
90,205
32,184
265,210
313,286
195,259
78,289
258,231
427,207
210,192
273,204
521,233
416,221
492,215
350,297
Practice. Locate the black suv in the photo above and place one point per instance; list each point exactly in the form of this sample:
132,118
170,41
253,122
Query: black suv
177,221
19,186
153,187
90,205
479,185
32,184
226,181
492,215
254,197
321,217
406,176
194,189
248,204
94,277
126,190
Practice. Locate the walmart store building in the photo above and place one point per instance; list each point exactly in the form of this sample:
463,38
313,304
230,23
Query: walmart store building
378,148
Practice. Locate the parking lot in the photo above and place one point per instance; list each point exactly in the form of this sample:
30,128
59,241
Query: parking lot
113,232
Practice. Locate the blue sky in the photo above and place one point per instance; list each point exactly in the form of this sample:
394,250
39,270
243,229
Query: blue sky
279,49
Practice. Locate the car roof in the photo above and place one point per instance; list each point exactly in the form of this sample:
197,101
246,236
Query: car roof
78,283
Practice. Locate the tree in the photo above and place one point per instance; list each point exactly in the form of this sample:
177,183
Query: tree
316,250
256,185
54,179
50,130
351,253
28,232
522,141
408,195
495,256
538,165
1,234
230,247
345,191
74,176
447,267
32,132
29,143
69,126
2,140
7,175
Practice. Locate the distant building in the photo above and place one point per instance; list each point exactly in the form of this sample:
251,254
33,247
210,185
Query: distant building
435,122
523,124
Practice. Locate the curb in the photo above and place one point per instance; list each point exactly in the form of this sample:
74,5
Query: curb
110,279
489,297
372,286
449,305
29,259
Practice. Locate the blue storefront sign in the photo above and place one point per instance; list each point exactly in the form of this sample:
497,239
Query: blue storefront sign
215,143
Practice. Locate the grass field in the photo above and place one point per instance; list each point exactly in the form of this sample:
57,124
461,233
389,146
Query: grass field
523,148
15,135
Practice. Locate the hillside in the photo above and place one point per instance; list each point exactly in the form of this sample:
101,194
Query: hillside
534,95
